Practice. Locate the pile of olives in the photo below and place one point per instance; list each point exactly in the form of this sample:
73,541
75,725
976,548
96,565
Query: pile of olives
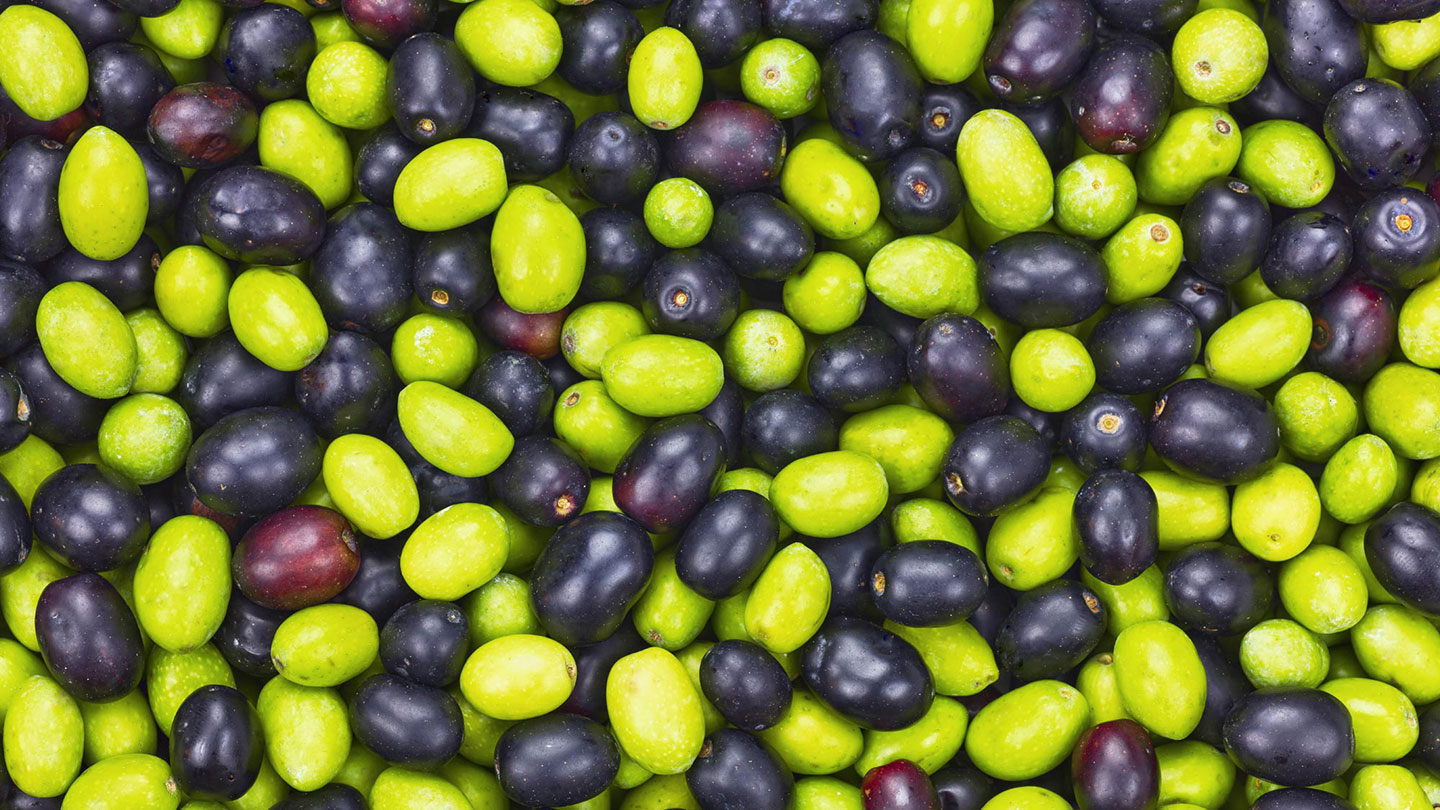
719,404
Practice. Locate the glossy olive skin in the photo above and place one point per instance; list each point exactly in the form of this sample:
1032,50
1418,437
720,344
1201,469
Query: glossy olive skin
431,89
849,560
215,744
379,161
1143,346
1050,123
1117,517
872,93
126,281
856,369
334,796
1121,100
592,668
921,190
944,109
125,82
30,229
1354,331
899,784
94,23
451,271
555,760
1225,683
90,517
531,129
21,288
535,334
387,24
618,250
349,388
516,388
690,293
1218,589
1315,46
1114,767
746,684
1428,748
1290,736
725,546
729,147
439,489
727,412
736,769
1403,549
758,236
817,23
926,583
1308,253
89,638
15,411
614,158
1273,98
1397,238
1225,229
598,39
1105,431
1208,302
1301,799
267,50
425,642
259,216
379,587
59,414
1383,11
147,8
296,557
872,677
15,536
202,125
1213,432
245,636
1051,630
543,481
1378,132
361,272
1041,279
221,378
961,786
254,462
406,723
721,30
781,426
1153,18
589,576
994,463
666,477
1038,48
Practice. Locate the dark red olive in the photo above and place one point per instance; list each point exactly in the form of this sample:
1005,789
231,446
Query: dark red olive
728,147
1402,547
589,575
1290,736
89,638
1218,588
1214,432
387,23
215,745
1117,519
537,335
1354,331
1121,100
203,125
1038,48
297,557
738,769
898,785
1114,768
668,474
90,517
869,675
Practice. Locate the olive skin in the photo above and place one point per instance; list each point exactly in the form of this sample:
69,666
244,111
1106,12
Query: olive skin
1051,630
1397,238
517,388
899,784
944,109
614,158
361,273
147,8
59,414
1402,547
1225,229
126,281
555,760
668,474
543,481
221,378
1121,100
532,130
1308,253
94,23
1315,47
431,89
746,683
690,293
871,677
333,796
451,271
379,161
736,769
1354,331
927,583
296,557
1217,589
89,638
921,190
15,539
536,334
349,388
1301,799
406,723
856,369
246,634
215,744
758,236
725,546
379,587
1290,736
1273,98
439,489
589,576
267,50
996,462
727,412
1213,432
1225,683
592,668
781,426
126,80
1117,518
1114,767
1378,132
729,147
1428,748
1153,18
721,30
386,25
1105,431
254,462
1038,48
425,642
1207,302
1142,346
1050,123
618,250
961,786
202,125
817,23
1384,11
30,228
15,412
1041,280
259,216
598,38
21,289
90,517
849,560
872,93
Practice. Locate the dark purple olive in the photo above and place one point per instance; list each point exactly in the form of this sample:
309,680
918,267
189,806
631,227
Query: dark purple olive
259,216
614,158
725,546
451,271
618,248
1046,423
95,22
1384,11
126,80
1051,630
1225,683
89,638
592,669
758,236
1217,588
203,125
1354,331
781,426
425,642
531,129
944,109
1038,48
962,786
221,378
30,229
127,281
535,334
516,387
245,636
267,50
1315,47
379,161
589,575
1050,124
334,796
818,23
598,38
1290,736
899,785
849,560
1114,768
349,388
1427,750
1397,238
406,723
1225,229
90,517
543,481
296,557
737,769
387,23
1105,431
899,326
921,190
1041,279
1117,519
958,369
667,475
1378,132
379,587
1214,432
1300,798
1272,98
1402,547
254,462
868,675
21,289
872,94
15,533
721,30
746,684
15,413
1308,253
856,369
990,616
690,293
439,489
59,414
1208,302
927,583
996,462
1142,346
728,147
431,89
215,745
1121,100
727,412
361,273
555,760
147,8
